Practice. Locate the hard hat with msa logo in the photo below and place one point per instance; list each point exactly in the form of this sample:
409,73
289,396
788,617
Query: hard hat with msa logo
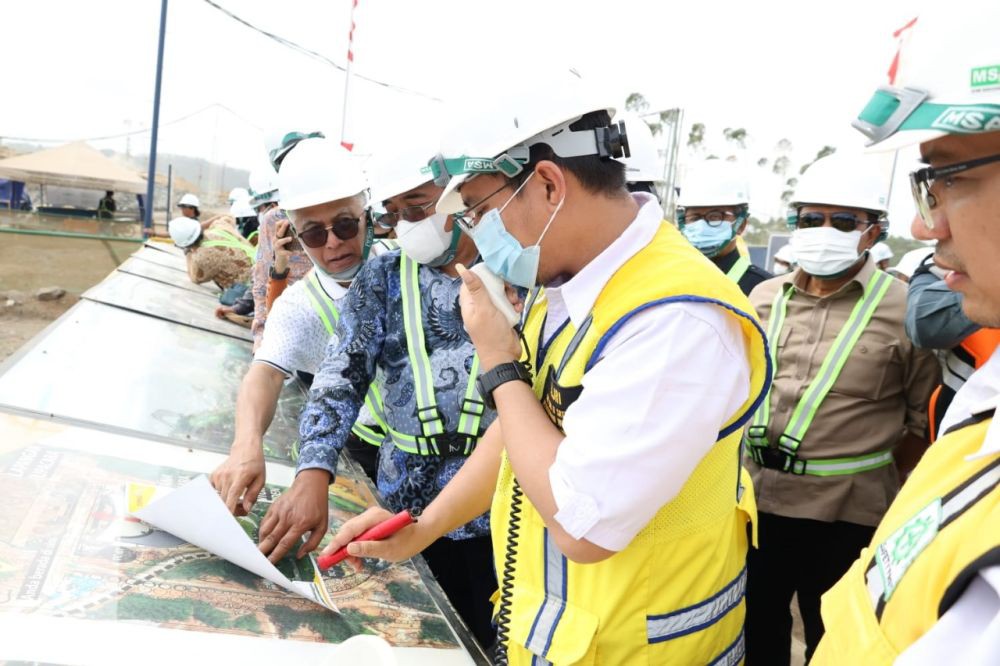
497,137
263,186
946,79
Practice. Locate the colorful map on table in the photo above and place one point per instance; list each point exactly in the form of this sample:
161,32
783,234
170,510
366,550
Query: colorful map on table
68,548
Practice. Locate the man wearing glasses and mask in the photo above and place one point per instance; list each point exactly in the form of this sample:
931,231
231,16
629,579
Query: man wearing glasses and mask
847,409
330,215
401,322
713,210
925,589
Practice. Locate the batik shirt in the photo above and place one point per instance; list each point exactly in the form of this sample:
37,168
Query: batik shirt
298,265
370,337
225,266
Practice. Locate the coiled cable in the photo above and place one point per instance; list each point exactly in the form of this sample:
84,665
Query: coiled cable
507,578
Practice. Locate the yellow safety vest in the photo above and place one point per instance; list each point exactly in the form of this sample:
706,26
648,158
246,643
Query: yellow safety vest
942,529
674,595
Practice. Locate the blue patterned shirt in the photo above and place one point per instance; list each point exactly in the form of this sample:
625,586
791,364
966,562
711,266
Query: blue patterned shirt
371,338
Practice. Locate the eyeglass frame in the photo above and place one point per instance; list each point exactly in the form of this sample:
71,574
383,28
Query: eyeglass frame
462,218
922,180
402,214
330,228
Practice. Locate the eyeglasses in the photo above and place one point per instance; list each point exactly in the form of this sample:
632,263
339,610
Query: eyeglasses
344,228
922,180
713,217
466,219
408,214
845,222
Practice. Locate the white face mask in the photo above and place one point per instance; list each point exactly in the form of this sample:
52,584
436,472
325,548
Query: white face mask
426,241
824,251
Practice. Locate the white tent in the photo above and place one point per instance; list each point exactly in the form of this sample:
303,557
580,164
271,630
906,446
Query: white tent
72,165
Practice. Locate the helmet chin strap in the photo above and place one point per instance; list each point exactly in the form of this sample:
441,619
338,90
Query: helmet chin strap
449,254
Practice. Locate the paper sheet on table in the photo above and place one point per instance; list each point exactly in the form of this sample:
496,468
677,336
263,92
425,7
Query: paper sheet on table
195,512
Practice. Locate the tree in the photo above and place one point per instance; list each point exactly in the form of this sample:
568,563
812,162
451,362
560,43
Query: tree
697,136
737,136
825,151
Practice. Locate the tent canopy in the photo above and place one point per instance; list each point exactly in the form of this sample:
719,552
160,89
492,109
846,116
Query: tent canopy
72,165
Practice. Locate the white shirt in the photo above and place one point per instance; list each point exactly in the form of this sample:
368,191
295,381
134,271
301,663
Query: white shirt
669,379
969,632
295,338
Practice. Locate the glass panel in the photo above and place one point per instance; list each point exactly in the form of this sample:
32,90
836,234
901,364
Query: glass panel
140,267
159,300
77,566
162,259
106,365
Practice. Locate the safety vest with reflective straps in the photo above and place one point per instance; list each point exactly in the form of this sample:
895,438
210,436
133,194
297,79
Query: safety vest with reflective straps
224,238
739,269
784,455
942,530
327,311
674,595
432,438
958,365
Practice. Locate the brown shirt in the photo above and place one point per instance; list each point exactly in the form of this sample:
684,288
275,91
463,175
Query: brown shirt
225,266
881,393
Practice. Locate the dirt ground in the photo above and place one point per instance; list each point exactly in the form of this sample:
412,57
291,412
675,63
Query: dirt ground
29,263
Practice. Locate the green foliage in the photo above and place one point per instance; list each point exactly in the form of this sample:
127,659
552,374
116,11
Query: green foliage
737,136
758,232
407,595
152,609
332,627
247,623
901,246
434,629
696,136
213,567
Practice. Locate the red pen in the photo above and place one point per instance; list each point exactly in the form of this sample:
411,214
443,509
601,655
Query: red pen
381,531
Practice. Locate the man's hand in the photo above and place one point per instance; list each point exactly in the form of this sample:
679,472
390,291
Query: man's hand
402,545
222,310
495,341
282,240
302,508
240,479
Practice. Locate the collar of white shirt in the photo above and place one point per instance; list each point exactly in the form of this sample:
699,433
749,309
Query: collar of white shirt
577,295
991,442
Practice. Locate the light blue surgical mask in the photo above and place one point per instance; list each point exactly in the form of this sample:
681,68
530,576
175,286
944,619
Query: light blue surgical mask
502,253
708,239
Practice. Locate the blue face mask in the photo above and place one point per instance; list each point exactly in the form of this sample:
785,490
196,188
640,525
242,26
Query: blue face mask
502,253
708,239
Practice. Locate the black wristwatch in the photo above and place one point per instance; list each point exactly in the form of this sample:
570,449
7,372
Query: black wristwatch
488,382
278,276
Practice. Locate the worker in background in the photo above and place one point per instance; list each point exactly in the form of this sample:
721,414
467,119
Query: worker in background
909,262
619,554
401,321
712,213
643,167
106,207
926,589
215,251
237,194
246,218
303,321
847,409
784,260
881,255
189,206
264,186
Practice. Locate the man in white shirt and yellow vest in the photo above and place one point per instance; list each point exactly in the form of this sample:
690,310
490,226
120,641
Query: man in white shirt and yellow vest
927,588
612,471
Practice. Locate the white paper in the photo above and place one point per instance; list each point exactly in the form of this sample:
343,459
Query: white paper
195,512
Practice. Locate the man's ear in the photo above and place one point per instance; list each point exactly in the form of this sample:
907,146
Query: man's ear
555,180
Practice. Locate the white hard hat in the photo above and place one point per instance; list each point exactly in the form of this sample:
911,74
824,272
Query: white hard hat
279,141
263,186
715,183
242,208
644,164
184,230
189,200
912,259
236,194
318,171
396,171
947,79
881,252
849,180
496,137
786,254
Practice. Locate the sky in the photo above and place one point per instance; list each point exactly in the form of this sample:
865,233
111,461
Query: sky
796,70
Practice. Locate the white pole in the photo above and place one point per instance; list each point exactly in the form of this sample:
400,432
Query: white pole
347,81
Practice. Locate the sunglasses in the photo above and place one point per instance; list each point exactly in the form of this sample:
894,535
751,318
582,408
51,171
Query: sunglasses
344,228
922,180
408,214
845,222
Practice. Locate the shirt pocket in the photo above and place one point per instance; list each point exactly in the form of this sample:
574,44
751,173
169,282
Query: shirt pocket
873,371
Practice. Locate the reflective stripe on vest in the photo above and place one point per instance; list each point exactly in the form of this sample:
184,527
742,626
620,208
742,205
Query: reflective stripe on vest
807,407
918,533
739,269
327,312
433,434
700,616
230,240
